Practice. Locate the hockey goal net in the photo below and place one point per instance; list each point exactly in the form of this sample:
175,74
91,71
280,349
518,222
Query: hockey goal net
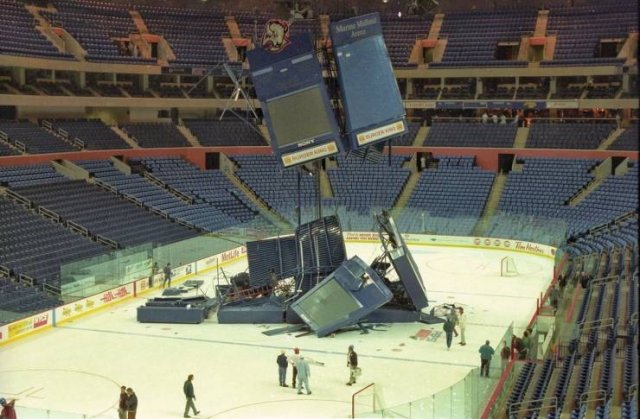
508,267
366,401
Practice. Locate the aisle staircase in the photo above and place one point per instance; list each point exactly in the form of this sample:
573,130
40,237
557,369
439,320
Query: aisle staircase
521,138
125,136
409,186
610,139
186,133
229,168
491,206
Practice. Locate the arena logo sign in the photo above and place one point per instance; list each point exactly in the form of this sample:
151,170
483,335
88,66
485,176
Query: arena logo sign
276,35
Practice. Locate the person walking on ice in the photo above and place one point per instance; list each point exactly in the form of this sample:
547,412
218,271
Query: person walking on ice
304,373
167,275
486,353
352,363
462,322
283,363
187,388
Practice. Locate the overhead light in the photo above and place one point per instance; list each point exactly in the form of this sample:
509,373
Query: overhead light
399,13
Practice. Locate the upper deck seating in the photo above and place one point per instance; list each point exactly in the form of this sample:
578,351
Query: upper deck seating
34,139
471,134
195,36
93,132
96,26
579,30
152,135
226,132
472,36
628,140
19,36
575,135
400,35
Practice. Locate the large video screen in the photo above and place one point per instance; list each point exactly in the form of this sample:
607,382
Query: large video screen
327,304
298,117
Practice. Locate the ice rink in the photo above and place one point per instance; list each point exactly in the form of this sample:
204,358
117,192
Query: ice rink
79,365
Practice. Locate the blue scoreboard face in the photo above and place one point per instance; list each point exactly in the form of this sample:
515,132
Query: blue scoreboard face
295,102
373,107
343,298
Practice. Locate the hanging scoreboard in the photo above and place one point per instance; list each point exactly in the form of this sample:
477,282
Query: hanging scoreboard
293,95
373,107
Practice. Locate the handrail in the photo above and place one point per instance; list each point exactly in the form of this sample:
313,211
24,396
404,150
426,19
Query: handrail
597,324
353,399
584,397
51,289
553,404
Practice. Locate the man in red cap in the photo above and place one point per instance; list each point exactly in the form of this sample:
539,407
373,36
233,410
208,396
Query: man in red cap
293,359
8,411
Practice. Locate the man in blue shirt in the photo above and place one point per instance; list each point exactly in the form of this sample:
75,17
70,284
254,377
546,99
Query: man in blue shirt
486,352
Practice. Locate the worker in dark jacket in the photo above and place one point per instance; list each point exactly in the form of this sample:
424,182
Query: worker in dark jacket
352,363
132,404
283,363
190,395
122,403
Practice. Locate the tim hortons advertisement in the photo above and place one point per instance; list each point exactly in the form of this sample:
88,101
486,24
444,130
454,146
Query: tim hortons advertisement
515,245
461,241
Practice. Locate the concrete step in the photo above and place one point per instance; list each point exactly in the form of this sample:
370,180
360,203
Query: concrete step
186,132
611,139
125,137
521,138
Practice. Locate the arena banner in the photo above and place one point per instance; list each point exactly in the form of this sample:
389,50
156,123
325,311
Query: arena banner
515,245
502,104
459,241
26,326
86,305
360,236
562,104
419,104
184,270
221,258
